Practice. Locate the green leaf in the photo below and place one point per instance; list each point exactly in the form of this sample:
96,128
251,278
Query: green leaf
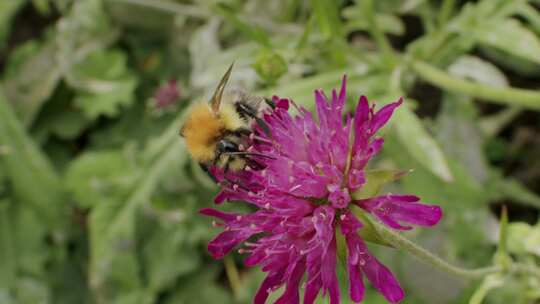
328,19
190,288
524,239
80,32
420,144
510,188
169,255
113,263
104,82
8,261
356,21
459,135
96,177
32,75
60,118
327,16
28,168
479,70
510,36
8,9
252,31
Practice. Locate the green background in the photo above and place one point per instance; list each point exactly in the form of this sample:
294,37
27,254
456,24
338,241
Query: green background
99,199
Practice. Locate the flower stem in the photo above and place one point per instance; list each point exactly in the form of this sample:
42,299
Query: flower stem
232,275
171,7
511,96
377,33
400,242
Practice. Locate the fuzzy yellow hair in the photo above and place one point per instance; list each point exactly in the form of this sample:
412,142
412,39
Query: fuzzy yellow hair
200,131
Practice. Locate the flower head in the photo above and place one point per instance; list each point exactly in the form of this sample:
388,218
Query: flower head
305,202
167,94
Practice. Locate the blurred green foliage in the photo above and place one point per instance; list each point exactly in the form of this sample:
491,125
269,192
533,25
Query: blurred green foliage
99,200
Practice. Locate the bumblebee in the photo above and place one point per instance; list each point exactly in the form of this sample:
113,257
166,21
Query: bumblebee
216,132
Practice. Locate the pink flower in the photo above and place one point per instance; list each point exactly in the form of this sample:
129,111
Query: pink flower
304,199
167,94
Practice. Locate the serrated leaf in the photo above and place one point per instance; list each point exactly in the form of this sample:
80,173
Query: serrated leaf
95,177
84,29
60,118
104,82
168,255
420,144
511,36
31,77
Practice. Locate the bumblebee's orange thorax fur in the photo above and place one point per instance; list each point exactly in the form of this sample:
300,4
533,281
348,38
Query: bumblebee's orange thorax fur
200,132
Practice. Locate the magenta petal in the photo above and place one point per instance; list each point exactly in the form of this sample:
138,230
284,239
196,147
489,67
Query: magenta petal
382,279
227,217
268,285
328,273
312,290
383,115
393,209
356,179
224,242
356,285
291,294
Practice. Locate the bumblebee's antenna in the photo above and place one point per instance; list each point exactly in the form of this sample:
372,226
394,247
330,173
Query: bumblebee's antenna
218,93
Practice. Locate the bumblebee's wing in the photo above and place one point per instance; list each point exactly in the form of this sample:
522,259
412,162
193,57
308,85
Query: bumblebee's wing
218,93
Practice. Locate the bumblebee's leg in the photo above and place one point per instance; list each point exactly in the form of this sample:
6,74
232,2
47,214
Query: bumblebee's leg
227,164
270,102
255,165
246,110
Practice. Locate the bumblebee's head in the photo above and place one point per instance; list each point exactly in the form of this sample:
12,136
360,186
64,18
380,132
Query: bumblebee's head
204,125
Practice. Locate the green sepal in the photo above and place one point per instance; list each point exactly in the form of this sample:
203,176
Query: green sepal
341,246
501,257
375,180
368,231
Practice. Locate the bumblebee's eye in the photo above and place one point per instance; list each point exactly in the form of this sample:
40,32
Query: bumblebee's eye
182,131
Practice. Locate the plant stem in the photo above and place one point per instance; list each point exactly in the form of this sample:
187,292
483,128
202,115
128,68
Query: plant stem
232,275
377,33
511,96
171,7
400,242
